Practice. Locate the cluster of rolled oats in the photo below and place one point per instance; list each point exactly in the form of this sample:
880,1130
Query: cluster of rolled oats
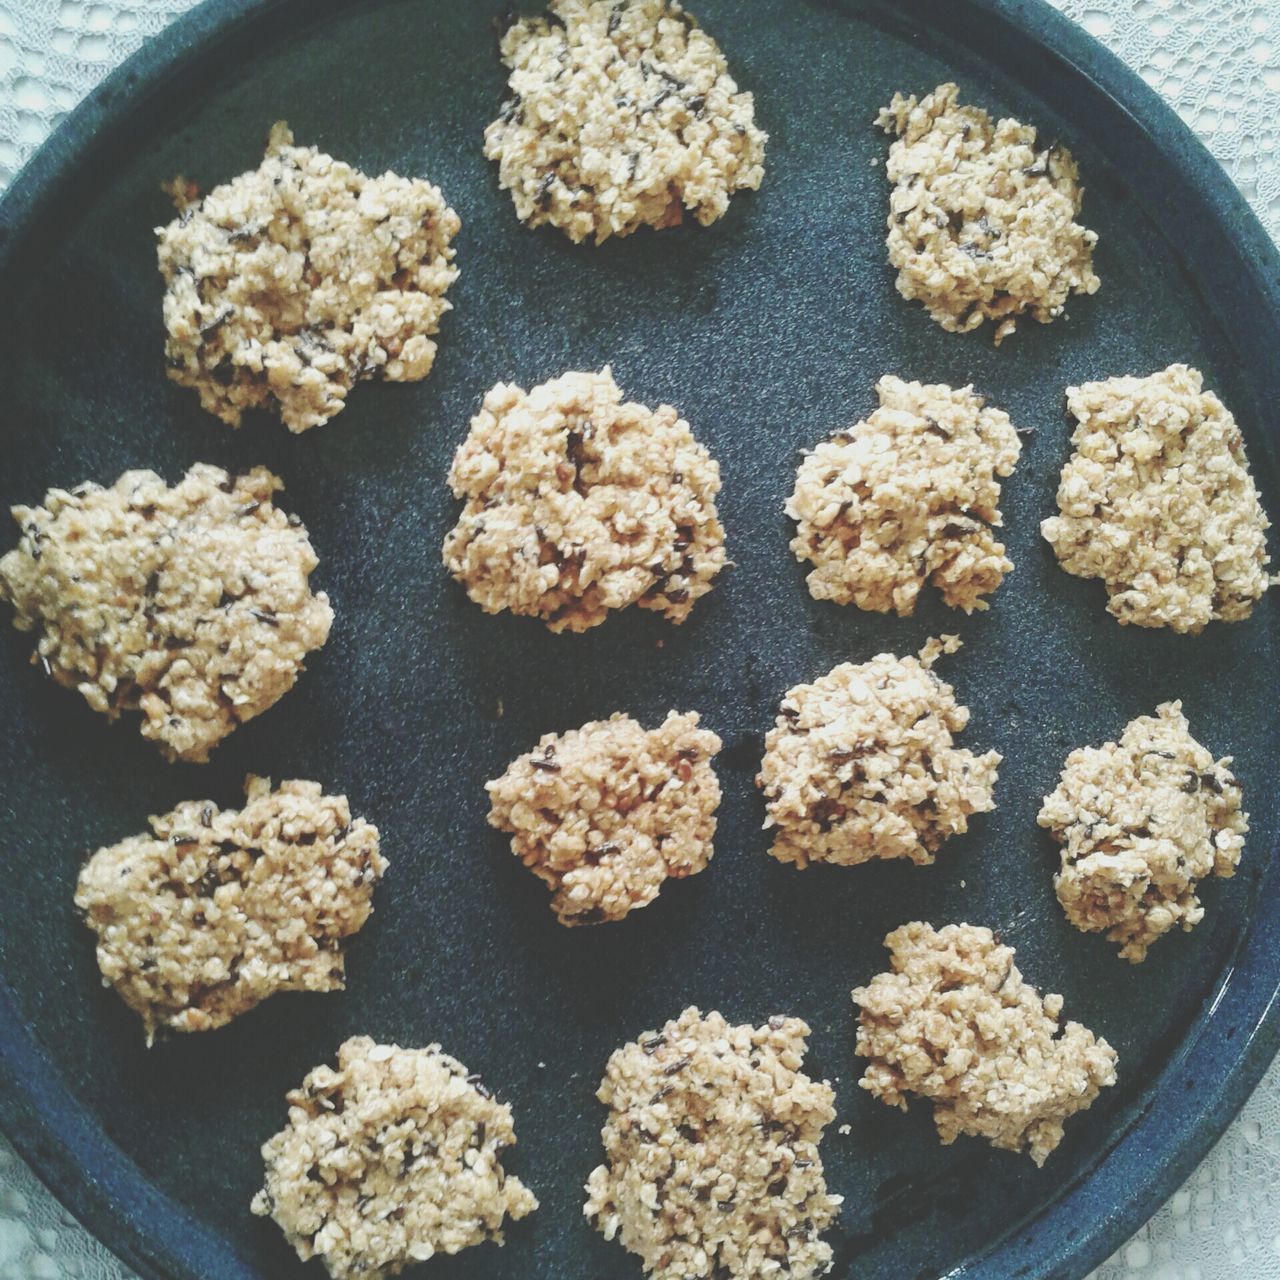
217,909
189,604
1158,502
290,284
1141,822
953,1022
907,496
712,1164
394,1157
578,503
621,115
862,764
982,218
606,813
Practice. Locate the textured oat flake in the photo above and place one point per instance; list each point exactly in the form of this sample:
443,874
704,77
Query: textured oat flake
907,496
622,114
862,764
217,909
188,603
604,814
953,1022
577,503
1141,822
291,283
1157,501
392,1158
712,1167
982,219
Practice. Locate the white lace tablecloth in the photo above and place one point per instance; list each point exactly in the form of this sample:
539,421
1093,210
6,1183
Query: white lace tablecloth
1218,62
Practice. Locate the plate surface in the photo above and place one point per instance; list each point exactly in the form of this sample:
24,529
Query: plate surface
767,330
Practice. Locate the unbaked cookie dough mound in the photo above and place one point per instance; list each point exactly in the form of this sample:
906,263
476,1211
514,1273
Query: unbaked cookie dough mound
605,814
712,1167
392,1158
1158,502
577,503
217,909
289,284
907,496
982,220
953,1022
189,604
862,764
622,114
1141,822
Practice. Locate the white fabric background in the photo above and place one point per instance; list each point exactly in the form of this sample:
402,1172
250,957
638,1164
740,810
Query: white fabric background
1218,62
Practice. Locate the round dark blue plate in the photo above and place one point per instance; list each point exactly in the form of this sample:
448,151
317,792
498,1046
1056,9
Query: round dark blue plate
768,330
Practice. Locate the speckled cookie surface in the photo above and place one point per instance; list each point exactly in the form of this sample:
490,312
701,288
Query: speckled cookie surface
291,283
1141,822
578,503
906,496
712,1167
982,218
389,1160
1157,501
954,1022
622,114
187,603
217,909
862,764
605,814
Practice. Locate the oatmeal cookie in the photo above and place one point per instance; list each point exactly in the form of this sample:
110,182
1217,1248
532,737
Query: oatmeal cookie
577,503
289,284
605,814
904,497
1141,822
712,1165
217,909
189,604
1158,502
622,114
862,764
982,220
392,1158
955,1023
